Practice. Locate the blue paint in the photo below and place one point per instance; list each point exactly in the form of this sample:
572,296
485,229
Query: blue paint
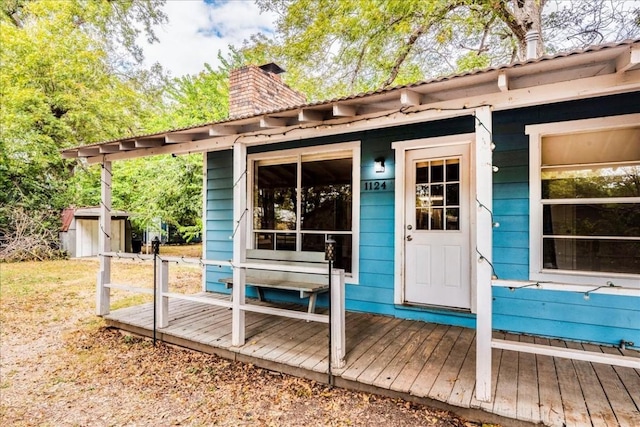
604,318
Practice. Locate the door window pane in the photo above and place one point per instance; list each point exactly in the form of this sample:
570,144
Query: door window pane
438,194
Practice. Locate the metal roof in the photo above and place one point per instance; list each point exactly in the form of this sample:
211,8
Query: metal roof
445,87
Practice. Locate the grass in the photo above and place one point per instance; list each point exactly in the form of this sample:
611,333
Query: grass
54,290
191,250
61,367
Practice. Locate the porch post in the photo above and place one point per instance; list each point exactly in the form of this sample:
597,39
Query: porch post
239,241
162,302
484,243
104,242
338,330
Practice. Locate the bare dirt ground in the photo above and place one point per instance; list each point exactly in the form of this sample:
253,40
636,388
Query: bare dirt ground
60,366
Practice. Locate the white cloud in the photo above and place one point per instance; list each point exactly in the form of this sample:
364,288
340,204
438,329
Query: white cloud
197,31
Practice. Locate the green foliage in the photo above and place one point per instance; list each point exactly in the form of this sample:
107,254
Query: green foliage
335,48
68,77
165,187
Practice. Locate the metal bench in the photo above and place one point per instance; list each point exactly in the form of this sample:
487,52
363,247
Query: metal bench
309,285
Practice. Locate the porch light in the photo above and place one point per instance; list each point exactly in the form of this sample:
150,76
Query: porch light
330,250
379,164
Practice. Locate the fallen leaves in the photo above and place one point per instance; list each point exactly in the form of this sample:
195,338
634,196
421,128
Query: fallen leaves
62,367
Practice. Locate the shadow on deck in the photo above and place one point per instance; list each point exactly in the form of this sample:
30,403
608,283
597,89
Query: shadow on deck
421,362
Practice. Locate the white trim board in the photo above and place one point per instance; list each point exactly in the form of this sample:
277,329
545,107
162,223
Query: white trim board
401,147
295,154
536,133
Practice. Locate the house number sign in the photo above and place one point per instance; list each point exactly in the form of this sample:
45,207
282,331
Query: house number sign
377,185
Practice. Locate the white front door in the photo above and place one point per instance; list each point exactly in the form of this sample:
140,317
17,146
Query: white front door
436,227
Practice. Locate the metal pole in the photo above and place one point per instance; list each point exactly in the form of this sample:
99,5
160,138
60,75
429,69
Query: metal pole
156,250
330,255
331,382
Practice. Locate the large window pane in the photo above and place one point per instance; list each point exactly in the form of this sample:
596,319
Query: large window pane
610,255
591,182
275,197
603,234
592,220
326,195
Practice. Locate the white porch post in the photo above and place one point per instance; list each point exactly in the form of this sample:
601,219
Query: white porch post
338,330
239,241
484,243
104,242
162,302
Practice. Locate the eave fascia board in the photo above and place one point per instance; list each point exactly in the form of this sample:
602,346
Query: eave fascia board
410,98
221,130
307,115
210,144
601,85
148,143
109,148
629,60
272,122
503,81
176,138
344,110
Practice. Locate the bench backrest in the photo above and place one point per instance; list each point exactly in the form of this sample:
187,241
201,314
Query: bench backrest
298,259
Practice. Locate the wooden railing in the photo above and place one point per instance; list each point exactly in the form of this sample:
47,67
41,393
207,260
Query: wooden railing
161,291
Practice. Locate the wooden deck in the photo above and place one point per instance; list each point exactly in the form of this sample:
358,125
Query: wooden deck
423,362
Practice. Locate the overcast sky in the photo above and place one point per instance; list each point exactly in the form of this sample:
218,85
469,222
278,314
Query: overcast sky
197,29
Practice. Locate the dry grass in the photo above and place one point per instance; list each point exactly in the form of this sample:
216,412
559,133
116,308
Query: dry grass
192,250
61,367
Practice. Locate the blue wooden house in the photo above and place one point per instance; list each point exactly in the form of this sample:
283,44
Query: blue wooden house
501,199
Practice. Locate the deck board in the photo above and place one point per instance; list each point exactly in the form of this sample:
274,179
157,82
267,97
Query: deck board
465,385
417,359
598,406
573,401
381,344
528,401
505,400
617,395
412,368
388,375
448,375
433,366
551,412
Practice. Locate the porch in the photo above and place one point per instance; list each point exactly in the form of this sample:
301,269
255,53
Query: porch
423,362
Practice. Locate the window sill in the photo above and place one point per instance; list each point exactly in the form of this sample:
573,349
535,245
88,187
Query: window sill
579,282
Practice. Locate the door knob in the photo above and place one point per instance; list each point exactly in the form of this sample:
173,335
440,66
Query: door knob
409,238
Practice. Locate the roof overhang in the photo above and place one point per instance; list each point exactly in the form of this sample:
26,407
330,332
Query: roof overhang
597,71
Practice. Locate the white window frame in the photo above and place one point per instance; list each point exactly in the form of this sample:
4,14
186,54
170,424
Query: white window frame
321,151
536,270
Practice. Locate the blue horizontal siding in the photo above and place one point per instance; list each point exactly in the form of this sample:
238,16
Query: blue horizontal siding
603,318
219,216
380,253
384,212
376,239
377,280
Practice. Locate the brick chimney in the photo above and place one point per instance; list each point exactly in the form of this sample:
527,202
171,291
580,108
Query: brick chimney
254,89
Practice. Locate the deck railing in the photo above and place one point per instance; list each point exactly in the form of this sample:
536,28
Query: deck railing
162,295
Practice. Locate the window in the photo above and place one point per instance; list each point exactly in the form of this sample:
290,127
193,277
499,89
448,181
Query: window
300,198
438,194
585,199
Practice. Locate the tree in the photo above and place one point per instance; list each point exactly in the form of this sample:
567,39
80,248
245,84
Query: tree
359,45
69,76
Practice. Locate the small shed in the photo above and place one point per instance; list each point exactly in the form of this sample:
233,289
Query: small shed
80,231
